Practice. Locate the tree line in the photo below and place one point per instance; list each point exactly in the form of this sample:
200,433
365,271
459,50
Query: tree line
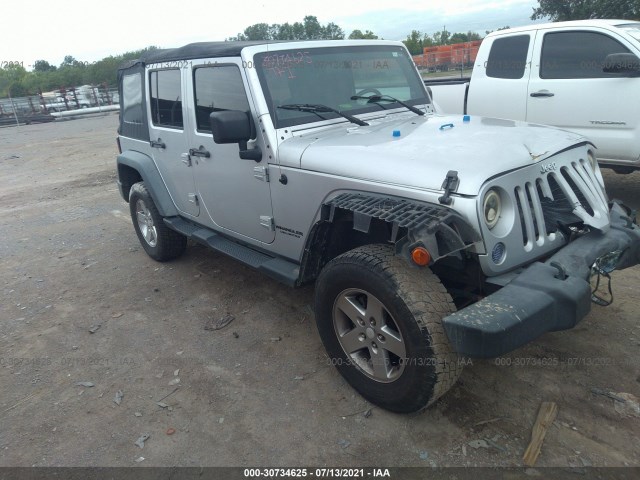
16,80
563,10
311,29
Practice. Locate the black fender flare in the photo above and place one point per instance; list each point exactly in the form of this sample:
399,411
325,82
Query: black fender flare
151,177
441,230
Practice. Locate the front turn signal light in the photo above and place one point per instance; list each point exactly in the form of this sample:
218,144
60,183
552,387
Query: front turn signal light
421,256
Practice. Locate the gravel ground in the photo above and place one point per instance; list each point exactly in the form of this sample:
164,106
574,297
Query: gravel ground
258,391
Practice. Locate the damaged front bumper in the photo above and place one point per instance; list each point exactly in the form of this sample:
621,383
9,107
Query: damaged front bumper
549,296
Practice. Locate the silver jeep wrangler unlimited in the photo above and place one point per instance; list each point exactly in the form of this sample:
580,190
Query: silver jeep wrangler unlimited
429,238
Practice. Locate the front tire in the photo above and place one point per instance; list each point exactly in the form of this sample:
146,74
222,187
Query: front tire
160,242
380,321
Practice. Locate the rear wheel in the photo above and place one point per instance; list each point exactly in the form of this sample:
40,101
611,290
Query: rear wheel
160,242
380,321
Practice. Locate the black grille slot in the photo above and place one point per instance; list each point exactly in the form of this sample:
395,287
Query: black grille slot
532,208
578,193
559,210
525,237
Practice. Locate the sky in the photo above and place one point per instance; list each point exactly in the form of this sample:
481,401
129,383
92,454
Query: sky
89,31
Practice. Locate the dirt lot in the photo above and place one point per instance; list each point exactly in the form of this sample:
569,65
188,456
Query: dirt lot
258,391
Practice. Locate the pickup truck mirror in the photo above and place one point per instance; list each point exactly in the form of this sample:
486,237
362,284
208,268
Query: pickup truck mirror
235,126
622,63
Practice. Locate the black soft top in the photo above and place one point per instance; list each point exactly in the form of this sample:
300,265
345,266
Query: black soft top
193,51
133,113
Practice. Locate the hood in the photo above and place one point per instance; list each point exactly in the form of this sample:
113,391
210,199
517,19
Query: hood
425,150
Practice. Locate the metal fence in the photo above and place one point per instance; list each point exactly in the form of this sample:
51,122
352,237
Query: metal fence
87,96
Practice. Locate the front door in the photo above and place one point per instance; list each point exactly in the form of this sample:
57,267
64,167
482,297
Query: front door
570,90
169,138
234,193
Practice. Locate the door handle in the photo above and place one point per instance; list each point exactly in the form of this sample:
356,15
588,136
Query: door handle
542,93
199,152
157,143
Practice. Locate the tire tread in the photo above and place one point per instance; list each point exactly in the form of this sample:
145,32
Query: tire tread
426,298
171,244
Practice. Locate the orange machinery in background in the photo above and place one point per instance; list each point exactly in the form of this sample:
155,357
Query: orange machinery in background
445,57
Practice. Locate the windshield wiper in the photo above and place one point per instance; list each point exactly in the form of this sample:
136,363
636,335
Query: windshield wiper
386,98
317,108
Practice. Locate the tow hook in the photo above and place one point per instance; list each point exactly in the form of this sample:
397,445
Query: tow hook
562,274
602,268
631,219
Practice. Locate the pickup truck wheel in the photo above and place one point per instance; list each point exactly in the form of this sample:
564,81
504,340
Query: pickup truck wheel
160,242
380,322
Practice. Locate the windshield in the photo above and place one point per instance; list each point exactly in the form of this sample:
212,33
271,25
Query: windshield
632,29
330,76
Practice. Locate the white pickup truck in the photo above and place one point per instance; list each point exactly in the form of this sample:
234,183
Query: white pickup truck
582,76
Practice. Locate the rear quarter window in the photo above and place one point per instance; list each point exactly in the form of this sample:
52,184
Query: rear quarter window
132,99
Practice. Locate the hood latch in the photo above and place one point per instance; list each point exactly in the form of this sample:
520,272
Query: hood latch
449,186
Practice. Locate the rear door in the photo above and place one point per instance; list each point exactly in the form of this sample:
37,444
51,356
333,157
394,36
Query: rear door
568,89
168,137
235,193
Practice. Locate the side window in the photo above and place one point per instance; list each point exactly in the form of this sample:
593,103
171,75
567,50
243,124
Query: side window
132,99
165,98
577,54
217,88
508,57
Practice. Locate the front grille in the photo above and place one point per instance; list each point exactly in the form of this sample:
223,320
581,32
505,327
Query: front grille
544,205
555,201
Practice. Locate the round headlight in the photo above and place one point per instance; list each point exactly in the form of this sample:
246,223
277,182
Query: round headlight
491,207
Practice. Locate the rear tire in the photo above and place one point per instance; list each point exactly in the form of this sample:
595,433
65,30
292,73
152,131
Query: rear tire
160,242
381,323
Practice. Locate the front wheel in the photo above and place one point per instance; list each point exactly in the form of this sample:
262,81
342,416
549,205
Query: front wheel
160,242
380,322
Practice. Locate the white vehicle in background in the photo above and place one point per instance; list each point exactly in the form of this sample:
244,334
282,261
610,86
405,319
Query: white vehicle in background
57,106
84,95
582,76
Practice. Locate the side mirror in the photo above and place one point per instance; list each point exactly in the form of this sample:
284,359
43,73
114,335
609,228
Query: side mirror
230,126
622,63
430,92
235,126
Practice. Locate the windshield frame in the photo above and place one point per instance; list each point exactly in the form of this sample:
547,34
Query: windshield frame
407,67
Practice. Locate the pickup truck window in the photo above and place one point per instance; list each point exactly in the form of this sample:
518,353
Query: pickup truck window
165,98
215,89
577,54
331,76
508,57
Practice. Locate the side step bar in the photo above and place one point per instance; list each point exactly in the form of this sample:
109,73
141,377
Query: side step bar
277,268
